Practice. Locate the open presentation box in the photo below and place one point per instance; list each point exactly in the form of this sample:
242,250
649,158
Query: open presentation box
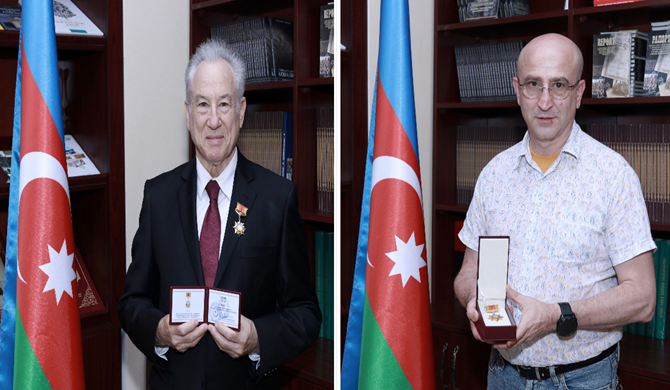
206,304
495,321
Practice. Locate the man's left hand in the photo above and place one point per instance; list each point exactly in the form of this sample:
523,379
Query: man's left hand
538,319
236,344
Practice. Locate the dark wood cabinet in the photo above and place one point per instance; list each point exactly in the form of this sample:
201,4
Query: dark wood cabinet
91,71
644,360
302,96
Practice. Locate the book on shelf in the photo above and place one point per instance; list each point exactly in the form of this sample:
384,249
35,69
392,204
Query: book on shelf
324,281
265,44
6,165
485,71
657,66
327,41
266,138
87,295
618,64
490,9
481,9
78,162
70,20
10,17
325,154
598,3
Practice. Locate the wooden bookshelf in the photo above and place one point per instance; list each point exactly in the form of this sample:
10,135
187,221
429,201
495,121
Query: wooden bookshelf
643,360
93,114
302,96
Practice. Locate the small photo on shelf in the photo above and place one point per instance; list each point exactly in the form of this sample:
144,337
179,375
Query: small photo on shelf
78,163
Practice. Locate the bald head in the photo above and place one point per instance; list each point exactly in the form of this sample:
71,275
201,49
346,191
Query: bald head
552,49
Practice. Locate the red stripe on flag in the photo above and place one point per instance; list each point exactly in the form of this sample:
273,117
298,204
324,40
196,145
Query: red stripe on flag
393,139
52,326
36,119
403,313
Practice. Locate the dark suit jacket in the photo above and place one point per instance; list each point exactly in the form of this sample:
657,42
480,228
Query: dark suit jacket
268,265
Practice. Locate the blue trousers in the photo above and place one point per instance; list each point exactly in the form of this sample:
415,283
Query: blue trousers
597,376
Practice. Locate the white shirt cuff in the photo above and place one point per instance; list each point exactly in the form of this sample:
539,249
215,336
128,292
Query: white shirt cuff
254,357
161,351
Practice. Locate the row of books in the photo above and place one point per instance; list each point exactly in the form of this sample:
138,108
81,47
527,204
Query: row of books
325,153
324,267
69,19
485,71
265,44
632,63
471,10
266,138
647,149
658,327
475,147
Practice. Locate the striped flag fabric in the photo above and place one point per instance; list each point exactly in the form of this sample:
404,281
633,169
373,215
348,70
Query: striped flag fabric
389,338
46,337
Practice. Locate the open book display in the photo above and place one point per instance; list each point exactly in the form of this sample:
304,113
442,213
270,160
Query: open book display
495,321
205,304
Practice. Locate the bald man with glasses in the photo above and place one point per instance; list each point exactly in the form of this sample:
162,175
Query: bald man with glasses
580,256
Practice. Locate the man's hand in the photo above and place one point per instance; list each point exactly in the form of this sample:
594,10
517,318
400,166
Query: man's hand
180,337
473,316
236,344
538,319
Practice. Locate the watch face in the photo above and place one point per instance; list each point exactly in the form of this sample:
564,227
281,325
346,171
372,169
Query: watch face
567,326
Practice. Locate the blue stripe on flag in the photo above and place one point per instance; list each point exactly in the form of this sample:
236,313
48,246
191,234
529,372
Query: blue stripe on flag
9,290
352,347
36,19
395,64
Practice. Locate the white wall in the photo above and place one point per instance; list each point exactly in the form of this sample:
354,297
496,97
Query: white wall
422,21
156,48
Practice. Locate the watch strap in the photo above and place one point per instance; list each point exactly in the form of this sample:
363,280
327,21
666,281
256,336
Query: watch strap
566,310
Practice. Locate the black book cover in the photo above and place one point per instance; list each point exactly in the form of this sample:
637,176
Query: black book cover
281,33
481,9
657,67
326,42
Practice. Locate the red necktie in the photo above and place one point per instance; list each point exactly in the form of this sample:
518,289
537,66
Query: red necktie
210,235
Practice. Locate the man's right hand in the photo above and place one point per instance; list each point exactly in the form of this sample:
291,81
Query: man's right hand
180,337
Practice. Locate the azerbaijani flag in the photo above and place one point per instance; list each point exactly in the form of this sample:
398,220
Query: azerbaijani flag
47,334
389,342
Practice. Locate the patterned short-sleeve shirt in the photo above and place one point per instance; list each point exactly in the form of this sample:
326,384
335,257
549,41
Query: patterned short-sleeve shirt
568,228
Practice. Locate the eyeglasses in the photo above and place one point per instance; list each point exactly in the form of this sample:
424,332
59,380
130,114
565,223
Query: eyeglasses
557,89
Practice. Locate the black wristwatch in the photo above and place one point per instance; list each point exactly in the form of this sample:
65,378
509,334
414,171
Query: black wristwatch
567,324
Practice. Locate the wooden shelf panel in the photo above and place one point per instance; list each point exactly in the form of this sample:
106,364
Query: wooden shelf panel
316,81
585,7
270,86
317,216
63,42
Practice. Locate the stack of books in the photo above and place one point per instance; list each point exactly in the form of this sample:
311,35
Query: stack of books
324,266
618,64
266,138
471,10
265,44
325,153
485,71
657,66
658,327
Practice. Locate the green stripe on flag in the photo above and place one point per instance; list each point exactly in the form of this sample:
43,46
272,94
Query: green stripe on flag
379,367
28,373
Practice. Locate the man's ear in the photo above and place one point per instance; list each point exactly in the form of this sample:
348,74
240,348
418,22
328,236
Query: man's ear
188,115
580,92
515,83
243,109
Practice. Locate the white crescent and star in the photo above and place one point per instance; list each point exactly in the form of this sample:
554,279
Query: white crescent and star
407,257
39,165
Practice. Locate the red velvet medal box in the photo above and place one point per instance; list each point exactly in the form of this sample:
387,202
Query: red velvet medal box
491,290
